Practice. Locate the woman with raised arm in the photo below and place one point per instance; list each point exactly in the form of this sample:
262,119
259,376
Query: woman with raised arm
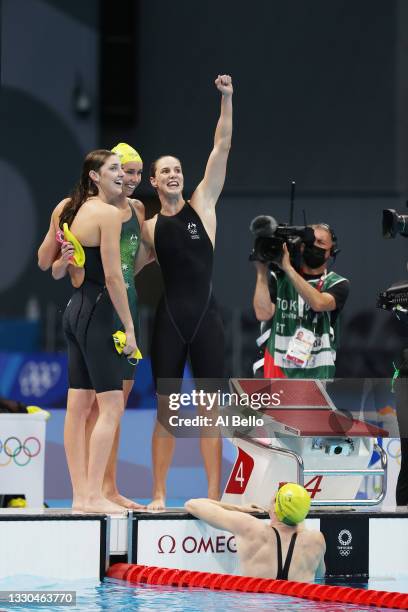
187,319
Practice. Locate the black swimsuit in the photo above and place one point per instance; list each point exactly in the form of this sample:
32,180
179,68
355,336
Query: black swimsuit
283,572
89,322
187,319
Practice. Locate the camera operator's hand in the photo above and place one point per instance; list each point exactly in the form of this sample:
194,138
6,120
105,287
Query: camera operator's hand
285,263
261,267
317,300
263,306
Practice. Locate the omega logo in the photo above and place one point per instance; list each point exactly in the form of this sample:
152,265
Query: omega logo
166,538
190,544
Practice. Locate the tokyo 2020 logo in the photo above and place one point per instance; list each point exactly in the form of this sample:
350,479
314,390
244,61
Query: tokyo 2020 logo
12,449
344,539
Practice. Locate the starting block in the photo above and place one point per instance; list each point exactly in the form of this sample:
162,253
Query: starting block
306,440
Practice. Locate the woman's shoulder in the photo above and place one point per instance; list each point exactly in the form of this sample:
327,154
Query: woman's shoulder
58,209
139,209
102,211
56,213
138,206
136,203
61,204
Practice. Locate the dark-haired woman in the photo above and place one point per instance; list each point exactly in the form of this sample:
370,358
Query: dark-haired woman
187,319
133,259
89,321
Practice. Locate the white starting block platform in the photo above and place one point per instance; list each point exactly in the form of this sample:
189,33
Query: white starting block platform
303,439
361,543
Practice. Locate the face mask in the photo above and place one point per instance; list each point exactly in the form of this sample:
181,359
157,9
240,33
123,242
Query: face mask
314,257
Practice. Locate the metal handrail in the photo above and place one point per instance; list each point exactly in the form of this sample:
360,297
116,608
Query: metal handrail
356,502
283,451
346,472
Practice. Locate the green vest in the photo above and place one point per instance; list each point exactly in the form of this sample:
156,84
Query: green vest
286,320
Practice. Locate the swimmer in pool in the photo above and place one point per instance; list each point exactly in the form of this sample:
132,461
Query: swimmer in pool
283,548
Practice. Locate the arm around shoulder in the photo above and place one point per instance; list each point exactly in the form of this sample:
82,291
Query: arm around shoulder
49,248
139,209
144,257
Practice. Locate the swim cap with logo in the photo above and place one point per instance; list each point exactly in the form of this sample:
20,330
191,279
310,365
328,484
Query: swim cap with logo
292,504
126,153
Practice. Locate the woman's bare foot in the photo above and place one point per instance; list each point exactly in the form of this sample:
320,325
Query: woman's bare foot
78,504
101,504
157,503
123,501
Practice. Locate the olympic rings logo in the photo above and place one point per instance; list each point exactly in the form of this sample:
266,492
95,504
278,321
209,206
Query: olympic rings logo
19,452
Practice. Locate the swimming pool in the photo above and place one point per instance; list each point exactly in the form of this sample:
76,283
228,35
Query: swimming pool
117,596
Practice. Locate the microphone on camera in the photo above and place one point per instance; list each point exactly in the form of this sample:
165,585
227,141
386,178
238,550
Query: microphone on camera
263,225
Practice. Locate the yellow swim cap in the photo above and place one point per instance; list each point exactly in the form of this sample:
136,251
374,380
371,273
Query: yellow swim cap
119,339
17,502
38,410
292,504
126,153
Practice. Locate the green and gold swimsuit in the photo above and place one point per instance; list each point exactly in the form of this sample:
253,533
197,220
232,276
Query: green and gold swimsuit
129,246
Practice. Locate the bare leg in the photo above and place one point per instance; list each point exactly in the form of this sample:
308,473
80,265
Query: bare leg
90,424
111,407
163,444
110,487
78,409
211,451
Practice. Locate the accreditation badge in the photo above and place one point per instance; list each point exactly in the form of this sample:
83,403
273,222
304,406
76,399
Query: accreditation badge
300,347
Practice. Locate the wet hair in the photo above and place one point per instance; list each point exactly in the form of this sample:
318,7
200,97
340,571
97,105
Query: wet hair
153,165
85,188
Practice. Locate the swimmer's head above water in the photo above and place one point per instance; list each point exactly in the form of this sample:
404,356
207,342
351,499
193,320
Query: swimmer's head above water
292,504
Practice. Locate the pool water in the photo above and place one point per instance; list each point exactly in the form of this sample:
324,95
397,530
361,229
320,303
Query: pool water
116,596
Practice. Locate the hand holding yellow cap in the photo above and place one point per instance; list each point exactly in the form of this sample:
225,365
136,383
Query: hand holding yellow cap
67,236
119,339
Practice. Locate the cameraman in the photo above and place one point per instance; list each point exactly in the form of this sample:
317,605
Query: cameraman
309,302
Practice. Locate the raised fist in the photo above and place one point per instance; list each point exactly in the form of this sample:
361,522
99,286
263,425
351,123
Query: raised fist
224,84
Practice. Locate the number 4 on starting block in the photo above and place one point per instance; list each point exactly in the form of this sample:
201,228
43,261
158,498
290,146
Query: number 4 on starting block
240,474
308,486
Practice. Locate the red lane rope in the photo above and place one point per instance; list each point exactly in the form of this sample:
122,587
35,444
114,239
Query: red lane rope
317,592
